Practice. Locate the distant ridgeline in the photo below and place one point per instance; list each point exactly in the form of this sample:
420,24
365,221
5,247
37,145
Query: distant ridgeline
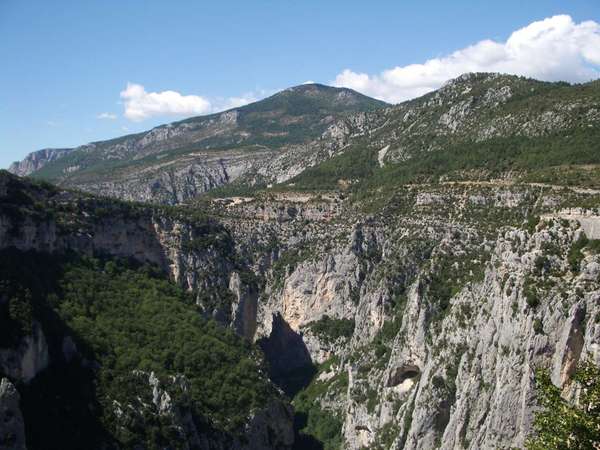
312,137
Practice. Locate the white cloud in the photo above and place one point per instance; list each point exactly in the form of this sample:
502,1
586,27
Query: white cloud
140,105
107,116
222,104
552,49
236,102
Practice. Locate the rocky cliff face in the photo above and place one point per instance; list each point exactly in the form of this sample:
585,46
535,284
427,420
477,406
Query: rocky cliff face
12,430
36,160
455,293
453,309
28,359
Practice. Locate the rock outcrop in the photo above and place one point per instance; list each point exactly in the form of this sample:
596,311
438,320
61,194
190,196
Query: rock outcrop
28,359
37,160
12,428
452,314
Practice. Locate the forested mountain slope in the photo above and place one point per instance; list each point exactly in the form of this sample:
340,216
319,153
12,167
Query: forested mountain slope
174,162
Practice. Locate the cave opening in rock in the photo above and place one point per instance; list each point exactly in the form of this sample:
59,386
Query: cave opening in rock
400,374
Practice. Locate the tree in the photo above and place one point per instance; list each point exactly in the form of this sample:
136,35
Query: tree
564,424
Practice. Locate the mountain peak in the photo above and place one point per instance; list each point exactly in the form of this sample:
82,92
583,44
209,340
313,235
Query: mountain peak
312,97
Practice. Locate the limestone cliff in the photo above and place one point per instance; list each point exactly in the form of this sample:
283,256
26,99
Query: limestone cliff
453,310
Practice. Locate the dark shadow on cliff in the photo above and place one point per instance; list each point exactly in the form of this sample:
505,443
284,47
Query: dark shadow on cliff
304,441
290,365
291,368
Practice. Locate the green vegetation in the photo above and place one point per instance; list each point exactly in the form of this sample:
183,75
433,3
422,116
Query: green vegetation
293,116
353,166
236,189
494,157
316,424
530,292
563,424
318,428
330,330
450,273
531,223
125,318
381,345
576,255
16,315
576,252
538,327
386,436
593,246
19,203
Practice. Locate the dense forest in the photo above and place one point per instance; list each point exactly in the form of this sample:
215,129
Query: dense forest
126,321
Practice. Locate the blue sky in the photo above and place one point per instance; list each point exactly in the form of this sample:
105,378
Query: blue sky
66,65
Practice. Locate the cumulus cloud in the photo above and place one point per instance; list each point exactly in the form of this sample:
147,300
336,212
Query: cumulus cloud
236,102
553,49
106,116
140,105
222,104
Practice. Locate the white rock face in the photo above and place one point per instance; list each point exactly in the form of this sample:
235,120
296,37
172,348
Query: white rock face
35,161
463,378
381,155
589,221
28,359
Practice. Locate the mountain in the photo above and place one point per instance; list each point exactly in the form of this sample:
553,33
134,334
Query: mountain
413,278
36,160
174,162
476,127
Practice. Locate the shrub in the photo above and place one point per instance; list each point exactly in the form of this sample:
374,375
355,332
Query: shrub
530,293
575,255
565,424
532,222
538,327
330,329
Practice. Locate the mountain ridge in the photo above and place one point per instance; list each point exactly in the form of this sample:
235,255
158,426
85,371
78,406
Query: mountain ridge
347,97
